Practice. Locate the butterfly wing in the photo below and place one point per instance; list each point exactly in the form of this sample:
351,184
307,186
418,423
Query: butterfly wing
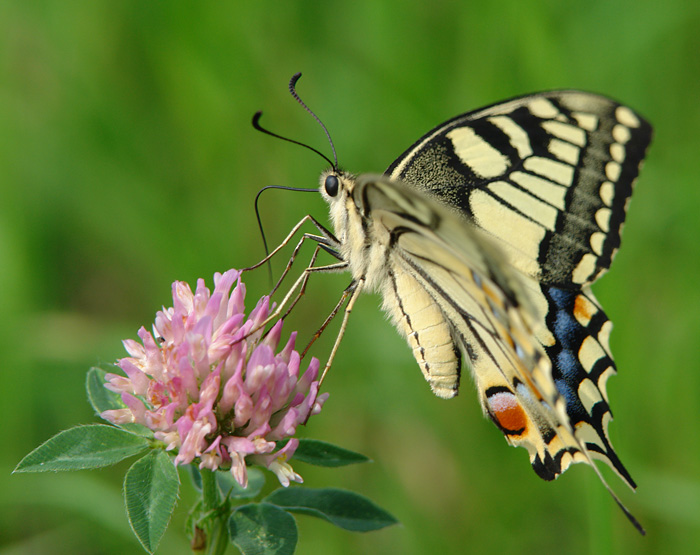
450,289
548,177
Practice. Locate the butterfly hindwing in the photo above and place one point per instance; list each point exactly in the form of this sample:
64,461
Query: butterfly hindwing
449,291
581,366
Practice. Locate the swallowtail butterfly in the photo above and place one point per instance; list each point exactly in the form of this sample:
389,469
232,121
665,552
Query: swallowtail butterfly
484,238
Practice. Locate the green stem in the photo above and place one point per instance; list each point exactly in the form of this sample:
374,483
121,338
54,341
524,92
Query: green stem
210,490
216,532
217,540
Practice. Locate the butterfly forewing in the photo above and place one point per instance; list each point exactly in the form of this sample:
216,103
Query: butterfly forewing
548,175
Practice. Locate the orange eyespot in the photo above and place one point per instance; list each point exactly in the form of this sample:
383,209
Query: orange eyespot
507,413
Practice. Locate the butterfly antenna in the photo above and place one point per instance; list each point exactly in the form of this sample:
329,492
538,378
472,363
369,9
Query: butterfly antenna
293,91
257,126
260,225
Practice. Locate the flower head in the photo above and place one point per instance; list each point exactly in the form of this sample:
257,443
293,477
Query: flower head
211,385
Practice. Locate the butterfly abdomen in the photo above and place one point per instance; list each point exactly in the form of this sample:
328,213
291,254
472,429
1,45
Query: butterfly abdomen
419,319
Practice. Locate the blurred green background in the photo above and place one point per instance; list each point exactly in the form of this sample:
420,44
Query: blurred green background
127,161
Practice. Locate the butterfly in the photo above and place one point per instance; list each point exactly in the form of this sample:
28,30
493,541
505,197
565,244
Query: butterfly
484,238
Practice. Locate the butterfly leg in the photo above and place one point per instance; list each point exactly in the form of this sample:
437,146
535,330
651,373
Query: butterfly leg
327,239
307,274
328,320
353,291
299,283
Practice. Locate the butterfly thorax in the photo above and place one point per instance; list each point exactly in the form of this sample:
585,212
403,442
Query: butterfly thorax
363,244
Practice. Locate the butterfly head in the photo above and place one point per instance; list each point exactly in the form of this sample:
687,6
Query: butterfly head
336,187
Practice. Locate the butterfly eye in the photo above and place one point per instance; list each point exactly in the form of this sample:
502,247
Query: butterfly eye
331,184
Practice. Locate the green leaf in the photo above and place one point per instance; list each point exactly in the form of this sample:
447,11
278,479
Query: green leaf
83,447
151,488
345,509
100,397
263,529
229,486
320,453
227,483
103,399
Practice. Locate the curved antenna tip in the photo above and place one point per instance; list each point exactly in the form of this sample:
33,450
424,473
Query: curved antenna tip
293,92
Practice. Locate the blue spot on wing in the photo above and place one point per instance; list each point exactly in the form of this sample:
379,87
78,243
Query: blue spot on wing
567,371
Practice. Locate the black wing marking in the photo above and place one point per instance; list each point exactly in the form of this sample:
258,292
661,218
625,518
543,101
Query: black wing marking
549,175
